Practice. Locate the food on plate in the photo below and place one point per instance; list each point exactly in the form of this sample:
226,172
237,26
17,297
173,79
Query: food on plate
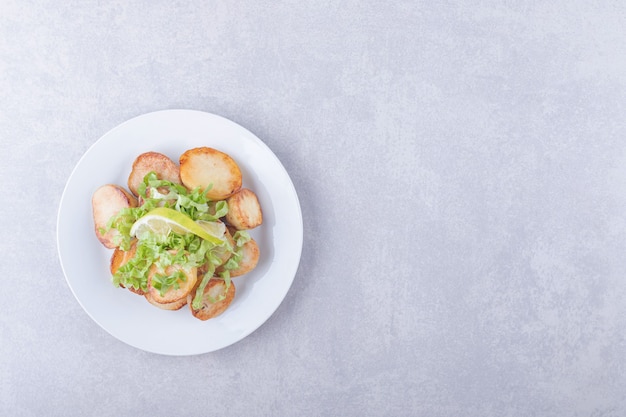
247,259
171,283
244,210
120,257
211,170
174,305
164,167
175,241
216,297
107,201
223,253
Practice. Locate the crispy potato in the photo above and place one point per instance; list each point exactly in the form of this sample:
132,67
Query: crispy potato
106,202
201,167
244,210
165,168
174,305
119,258
173,294
214,288
249,259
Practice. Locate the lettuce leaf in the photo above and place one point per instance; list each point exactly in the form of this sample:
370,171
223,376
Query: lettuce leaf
196,304
163,283
186,250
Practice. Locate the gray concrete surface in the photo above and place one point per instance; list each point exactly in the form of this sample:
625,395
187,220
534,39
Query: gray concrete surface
461,168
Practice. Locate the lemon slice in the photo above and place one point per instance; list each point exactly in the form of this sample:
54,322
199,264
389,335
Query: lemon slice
162,220
213,228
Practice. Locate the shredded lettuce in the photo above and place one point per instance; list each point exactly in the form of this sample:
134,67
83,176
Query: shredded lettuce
198,298
163,282
240,237
196,304
185,250
162,193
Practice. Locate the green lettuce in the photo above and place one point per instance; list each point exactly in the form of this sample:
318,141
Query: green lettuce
186,250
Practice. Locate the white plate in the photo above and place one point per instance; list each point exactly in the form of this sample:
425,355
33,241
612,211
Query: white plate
129,317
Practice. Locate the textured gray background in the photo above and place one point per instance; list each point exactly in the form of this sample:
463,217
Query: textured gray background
462,174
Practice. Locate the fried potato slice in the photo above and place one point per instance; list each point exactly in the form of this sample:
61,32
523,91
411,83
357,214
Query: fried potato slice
120,258
249,259
165,168
244,210
106,202
214,289
174,305
173,294
201,167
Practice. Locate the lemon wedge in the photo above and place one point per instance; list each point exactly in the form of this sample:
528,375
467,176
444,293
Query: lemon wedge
162,220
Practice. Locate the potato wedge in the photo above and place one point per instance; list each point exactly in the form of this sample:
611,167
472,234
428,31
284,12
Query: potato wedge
244,210
173,294
174,305
214,289
165,168
106,202
201,167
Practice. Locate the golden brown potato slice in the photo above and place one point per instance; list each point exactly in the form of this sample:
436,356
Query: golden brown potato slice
249,259
165,168
244,210
215,288
117,259
120,258
172,294
174,305
106,202
200,167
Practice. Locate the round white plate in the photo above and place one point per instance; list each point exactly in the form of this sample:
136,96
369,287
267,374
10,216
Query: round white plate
129,317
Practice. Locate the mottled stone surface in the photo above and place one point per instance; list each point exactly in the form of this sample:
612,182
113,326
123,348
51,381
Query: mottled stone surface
462,175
